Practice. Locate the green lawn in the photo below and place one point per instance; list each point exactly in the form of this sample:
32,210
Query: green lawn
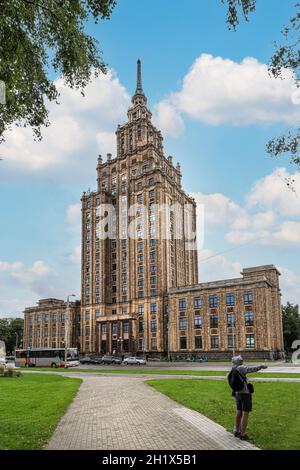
139,370
274,422
30,408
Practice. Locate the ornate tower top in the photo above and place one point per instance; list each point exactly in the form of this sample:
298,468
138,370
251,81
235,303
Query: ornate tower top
139,96
139,88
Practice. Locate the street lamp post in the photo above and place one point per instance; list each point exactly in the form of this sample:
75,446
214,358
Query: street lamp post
233,338
66,326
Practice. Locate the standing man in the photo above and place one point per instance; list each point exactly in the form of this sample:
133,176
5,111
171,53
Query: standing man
242,391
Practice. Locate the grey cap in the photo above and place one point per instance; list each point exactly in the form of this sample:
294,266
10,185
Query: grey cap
237,360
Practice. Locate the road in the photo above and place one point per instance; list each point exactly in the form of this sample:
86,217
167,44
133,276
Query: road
273,367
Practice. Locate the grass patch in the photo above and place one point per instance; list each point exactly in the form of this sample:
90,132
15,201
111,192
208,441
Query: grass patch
139,370
274,423
30,408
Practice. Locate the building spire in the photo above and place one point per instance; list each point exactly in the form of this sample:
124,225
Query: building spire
139,98
139,88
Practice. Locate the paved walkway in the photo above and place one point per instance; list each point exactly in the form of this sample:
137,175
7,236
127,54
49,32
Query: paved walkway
121,412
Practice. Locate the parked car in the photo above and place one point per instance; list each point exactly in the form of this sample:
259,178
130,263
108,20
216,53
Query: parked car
89,360
134,361
111,360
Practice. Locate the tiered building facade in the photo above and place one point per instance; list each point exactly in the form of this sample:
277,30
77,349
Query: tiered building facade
139,274
140,290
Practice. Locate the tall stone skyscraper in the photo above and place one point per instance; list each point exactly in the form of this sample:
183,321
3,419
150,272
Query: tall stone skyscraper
136,230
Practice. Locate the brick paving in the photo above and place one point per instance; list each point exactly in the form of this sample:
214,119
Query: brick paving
113,412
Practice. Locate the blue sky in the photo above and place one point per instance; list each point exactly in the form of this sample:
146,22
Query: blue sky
216,116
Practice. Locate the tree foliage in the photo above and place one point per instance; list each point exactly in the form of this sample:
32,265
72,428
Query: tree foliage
291,325
11,332
42,36
286,56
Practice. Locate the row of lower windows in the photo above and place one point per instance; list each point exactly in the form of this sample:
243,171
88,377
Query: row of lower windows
214,320
215,342
45,318
213,300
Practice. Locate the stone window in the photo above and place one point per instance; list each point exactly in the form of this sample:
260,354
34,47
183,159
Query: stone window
214,321
87,331
231,341
141,326
230,300
182,342
140,294
198,321
197,302
213,301
141,309
153,308
250,341
140,282
198,342
182,323
152,267
248,298
140,269
230,320
182,304
249,318
114,328
153,325
214,342
152,279
125,327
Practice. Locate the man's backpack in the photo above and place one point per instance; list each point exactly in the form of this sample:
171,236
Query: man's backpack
236,380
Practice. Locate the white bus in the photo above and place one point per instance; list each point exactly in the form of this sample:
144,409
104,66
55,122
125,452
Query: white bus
46,357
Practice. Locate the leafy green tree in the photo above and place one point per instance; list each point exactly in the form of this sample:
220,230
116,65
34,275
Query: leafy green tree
286,56
11,332
39,36
291,325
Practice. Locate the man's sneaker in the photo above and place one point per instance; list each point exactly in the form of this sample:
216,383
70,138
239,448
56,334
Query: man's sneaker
244,437
237,434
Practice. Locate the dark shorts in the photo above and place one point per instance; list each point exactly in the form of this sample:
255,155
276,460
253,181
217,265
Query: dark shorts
243,402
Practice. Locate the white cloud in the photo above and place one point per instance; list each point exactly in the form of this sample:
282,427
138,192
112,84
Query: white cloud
167,119
220,91
214,267
290,286
37,278
218,208
272,192
81,128
74,215
75,256
287,233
